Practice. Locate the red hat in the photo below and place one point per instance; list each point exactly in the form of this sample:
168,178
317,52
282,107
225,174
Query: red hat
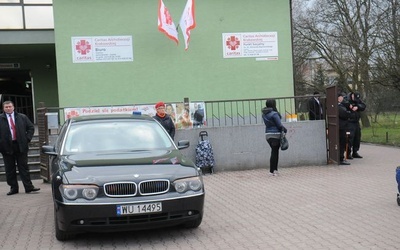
160,104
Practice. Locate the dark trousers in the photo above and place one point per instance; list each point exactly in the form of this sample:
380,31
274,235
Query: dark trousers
11,161
342,143
355,137
273,160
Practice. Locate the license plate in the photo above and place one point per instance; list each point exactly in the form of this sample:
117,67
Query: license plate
139,208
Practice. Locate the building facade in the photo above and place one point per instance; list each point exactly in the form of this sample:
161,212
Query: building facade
102,53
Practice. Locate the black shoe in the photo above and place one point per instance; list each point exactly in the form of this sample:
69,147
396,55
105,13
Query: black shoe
356,155
32,190
349,157
344,163
12,191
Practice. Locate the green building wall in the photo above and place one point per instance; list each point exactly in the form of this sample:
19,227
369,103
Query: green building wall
161,70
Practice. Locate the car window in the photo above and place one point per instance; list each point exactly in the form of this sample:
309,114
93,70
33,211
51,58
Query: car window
121,135
63,130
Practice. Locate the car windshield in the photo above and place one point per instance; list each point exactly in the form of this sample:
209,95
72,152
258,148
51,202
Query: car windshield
115,135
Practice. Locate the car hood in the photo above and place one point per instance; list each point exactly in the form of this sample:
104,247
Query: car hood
138,165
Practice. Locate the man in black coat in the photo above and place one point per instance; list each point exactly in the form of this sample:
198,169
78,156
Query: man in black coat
356,107
315,109
16,131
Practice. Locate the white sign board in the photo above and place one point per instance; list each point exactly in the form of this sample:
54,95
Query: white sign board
143,109
184,117
102,49
252,44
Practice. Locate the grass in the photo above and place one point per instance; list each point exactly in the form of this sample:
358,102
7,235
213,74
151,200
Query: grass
384,129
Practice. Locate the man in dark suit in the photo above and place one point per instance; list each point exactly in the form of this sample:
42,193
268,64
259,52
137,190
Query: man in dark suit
16,131
315,110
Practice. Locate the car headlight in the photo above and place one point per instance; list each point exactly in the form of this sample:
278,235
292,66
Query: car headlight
73,192
184,185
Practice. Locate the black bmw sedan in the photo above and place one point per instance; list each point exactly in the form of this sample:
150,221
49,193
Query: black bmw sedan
121,173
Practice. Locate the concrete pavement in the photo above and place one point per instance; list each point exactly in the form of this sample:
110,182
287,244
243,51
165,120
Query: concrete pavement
318,207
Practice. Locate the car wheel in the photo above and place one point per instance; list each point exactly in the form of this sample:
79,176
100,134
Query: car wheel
61,235
398,200
194,223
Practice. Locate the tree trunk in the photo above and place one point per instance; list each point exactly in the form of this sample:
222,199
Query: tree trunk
365,120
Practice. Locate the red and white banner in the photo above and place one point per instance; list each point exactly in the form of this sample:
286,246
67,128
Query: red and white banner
165,23
187,21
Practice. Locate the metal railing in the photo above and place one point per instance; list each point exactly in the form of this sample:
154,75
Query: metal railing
223,113
248,111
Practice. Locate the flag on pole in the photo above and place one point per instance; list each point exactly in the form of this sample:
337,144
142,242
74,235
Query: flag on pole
187,21
165,23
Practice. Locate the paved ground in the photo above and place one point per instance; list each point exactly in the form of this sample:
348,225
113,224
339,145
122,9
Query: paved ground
318,207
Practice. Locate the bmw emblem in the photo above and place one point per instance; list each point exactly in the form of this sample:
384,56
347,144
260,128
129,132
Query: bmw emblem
136,175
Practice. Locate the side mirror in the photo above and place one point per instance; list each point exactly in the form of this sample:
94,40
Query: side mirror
50,150
183,144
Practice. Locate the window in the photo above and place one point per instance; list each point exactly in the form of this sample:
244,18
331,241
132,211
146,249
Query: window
39,17
113,135
26,14
11,17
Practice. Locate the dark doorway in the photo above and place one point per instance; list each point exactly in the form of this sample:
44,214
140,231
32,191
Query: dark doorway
16,86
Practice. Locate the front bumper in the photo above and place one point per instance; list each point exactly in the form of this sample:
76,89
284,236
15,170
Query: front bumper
103,217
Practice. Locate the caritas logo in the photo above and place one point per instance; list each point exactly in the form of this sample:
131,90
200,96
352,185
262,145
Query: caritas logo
72,113
83,47
232,42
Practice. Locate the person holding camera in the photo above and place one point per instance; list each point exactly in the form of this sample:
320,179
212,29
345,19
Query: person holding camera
356,106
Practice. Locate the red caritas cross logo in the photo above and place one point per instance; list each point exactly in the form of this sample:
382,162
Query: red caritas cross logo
72,113
83,47
233,42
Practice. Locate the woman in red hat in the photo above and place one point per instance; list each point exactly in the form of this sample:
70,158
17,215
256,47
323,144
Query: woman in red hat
164,119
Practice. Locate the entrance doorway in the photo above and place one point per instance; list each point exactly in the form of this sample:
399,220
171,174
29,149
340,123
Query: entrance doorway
16,86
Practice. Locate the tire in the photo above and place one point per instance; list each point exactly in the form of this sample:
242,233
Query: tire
398,200
60,234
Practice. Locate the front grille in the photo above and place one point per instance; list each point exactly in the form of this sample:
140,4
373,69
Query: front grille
120,189
128,189
153,187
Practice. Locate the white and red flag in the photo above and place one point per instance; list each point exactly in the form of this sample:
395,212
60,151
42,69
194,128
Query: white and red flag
165,23
187,21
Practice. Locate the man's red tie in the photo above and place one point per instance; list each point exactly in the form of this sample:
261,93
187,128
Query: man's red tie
14,131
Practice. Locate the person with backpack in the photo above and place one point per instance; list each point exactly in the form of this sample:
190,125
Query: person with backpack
273,129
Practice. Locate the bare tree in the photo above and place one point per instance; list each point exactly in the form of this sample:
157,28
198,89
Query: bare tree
386,70
302,49
344,34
